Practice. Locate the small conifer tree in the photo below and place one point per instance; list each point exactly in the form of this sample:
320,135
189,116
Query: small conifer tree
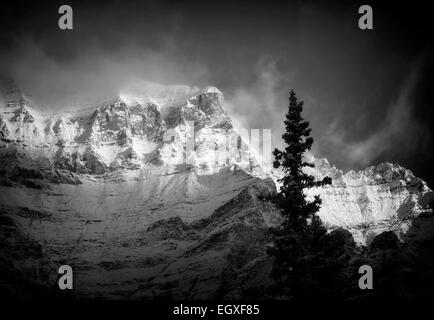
297,251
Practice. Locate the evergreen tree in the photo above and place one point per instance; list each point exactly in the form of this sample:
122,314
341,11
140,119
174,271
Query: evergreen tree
299,252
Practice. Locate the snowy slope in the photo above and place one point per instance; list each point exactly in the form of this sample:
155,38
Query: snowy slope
145,194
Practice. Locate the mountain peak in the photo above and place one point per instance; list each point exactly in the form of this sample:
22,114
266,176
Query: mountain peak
128,131
151,179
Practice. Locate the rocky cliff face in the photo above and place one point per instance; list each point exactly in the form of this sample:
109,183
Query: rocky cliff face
385,197
154,194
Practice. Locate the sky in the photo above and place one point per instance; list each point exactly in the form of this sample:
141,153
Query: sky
367,93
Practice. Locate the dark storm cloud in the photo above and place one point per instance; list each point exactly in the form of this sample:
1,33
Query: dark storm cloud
396,131
365,92
110,46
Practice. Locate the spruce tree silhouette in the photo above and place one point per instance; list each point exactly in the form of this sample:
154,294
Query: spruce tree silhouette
300,244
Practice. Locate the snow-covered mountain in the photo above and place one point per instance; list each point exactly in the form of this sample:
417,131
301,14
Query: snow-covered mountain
146,194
